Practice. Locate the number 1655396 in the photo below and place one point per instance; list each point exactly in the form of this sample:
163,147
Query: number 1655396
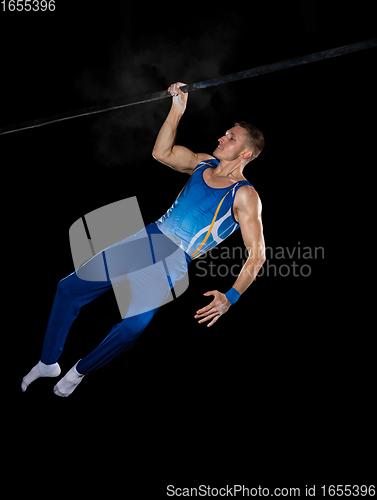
28,5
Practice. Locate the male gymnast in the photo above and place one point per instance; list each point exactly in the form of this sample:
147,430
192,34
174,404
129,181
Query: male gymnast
216,201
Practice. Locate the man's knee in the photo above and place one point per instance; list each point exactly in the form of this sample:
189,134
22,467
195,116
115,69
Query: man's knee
130,328
63,286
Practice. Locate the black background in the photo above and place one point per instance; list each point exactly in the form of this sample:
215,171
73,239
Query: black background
278,392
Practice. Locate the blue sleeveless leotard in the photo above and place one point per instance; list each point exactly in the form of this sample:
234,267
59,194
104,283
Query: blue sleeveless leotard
201,217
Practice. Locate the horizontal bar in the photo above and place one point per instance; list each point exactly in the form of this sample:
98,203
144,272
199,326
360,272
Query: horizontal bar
261,70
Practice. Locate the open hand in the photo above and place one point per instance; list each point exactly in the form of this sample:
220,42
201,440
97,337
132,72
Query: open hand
219,306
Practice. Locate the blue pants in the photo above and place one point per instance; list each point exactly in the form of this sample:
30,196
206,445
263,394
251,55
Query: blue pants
149,261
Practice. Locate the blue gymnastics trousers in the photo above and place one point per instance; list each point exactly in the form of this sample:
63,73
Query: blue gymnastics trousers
150,262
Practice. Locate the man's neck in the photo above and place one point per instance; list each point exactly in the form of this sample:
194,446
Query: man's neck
232,169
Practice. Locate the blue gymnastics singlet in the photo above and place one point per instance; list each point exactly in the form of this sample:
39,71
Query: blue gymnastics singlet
201,217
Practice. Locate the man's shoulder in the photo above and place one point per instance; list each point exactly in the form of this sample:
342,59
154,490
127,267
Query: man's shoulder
247,198
248,193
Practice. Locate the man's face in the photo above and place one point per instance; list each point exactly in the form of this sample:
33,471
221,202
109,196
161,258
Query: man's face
231,145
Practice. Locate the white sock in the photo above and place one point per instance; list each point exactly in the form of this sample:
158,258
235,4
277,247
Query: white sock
68,383
40,370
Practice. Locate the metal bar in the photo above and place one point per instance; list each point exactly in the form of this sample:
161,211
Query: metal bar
261,70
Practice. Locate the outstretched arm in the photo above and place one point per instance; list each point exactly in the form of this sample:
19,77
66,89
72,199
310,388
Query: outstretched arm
248,210
165,151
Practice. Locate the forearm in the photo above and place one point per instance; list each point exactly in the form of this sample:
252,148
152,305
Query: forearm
166,137
248,273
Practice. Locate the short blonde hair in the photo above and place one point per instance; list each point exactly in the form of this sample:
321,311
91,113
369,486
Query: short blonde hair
256,138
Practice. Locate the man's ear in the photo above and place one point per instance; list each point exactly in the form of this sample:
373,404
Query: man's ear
247,153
